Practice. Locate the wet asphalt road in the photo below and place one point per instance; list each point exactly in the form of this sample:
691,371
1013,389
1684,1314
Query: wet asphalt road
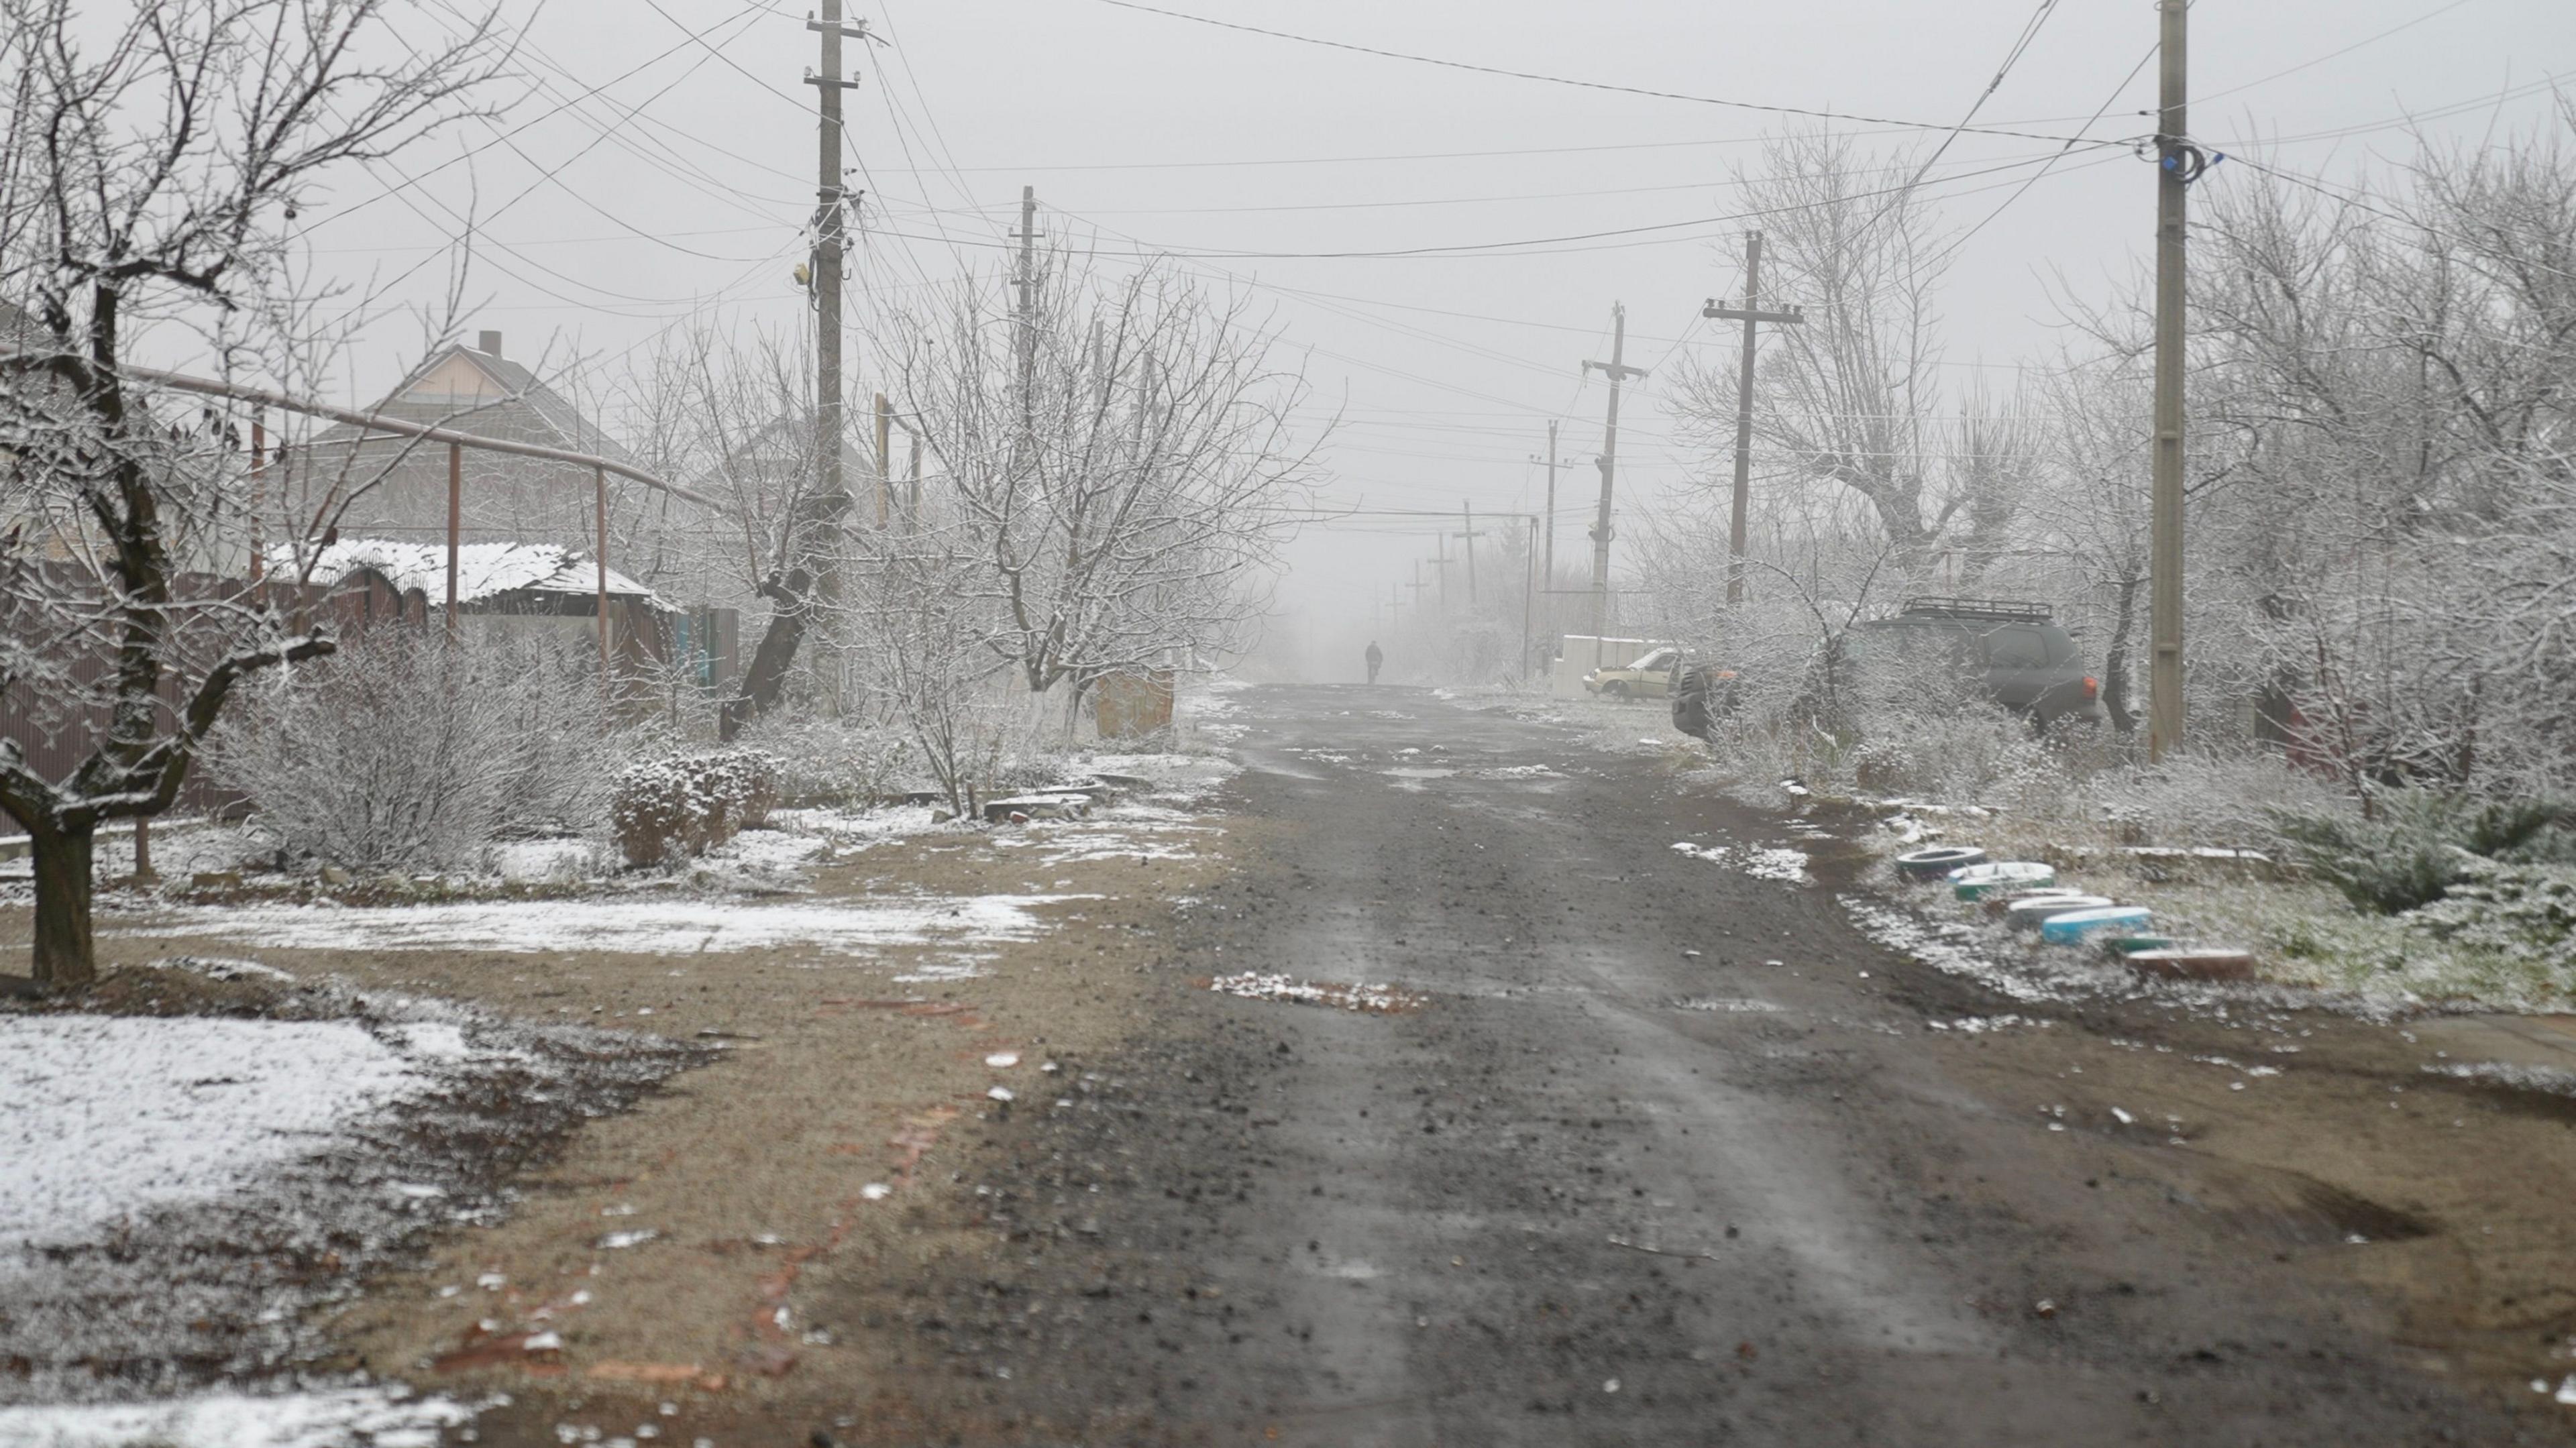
1661,1160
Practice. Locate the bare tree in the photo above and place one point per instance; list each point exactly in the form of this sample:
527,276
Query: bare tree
1853,396
2388,380
1118,459
149,170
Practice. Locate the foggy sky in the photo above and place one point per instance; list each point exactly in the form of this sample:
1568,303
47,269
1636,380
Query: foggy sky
681,191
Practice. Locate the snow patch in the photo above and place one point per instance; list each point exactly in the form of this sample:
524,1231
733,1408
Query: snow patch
112,1114
351,1418
1762,862
643,927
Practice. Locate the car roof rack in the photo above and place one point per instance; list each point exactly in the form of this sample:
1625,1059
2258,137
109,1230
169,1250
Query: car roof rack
1981,610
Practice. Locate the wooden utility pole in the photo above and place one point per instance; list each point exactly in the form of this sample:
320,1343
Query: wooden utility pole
1618,371
1750,314
2178,164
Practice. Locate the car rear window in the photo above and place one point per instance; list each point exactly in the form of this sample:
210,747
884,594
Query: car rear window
2017,648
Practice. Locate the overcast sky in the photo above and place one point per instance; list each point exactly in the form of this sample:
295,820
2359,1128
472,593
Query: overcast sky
681,187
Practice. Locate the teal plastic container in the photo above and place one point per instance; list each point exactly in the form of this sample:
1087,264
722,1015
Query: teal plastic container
2004,876
2076,927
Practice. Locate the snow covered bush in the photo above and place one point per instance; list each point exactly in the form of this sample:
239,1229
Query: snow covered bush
2416,844
669,809
404,754
2524,912
825,762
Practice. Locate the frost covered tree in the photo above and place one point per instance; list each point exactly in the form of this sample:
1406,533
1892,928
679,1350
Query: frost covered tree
1851,400
1117,459
154,156
2385,498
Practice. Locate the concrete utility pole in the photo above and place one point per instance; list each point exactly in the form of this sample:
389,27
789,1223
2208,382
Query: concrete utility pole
885,460
830,218
1529,592
1618,372
2179,164
1027,305
1468,511
1750,314
1548,570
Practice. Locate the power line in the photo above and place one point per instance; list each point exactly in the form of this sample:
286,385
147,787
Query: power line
2034,178
1553,245
1565,80
2336,54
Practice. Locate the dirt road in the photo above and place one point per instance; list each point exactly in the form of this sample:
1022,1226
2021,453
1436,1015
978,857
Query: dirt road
1659,1143
1669,1154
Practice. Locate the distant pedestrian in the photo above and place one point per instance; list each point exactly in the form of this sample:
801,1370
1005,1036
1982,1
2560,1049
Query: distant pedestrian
1375,658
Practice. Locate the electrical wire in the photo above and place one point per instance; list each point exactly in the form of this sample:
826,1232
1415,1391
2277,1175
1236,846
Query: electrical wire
1565,80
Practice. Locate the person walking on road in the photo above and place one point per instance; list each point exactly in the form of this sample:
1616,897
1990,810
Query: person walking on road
1375,658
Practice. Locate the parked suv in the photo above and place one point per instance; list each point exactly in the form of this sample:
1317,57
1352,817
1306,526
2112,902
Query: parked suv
1702,695
2026,662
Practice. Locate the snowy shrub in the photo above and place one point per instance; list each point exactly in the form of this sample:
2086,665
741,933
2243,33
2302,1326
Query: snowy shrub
668,809
836,763
2525,912
2417,843
404,754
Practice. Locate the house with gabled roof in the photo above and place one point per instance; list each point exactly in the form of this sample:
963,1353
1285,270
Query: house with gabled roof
399,486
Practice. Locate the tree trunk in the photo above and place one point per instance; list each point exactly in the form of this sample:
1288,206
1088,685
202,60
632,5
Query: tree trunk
766,679
65,954
2115,661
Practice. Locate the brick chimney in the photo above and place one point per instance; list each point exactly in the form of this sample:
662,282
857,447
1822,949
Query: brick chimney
488,343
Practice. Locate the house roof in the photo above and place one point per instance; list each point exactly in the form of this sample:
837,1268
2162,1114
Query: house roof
483,570
505,401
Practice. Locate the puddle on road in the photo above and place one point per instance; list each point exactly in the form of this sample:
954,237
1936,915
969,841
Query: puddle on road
1418,772
1380,999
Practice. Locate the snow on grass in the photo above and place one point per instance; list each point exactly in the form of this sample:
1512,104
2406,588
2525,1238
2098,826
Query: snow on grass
641,927
113,1114
373,1417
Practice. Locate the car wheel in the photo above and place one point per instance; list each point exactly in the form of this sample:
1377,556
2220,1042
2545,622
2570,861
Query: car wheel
1614,690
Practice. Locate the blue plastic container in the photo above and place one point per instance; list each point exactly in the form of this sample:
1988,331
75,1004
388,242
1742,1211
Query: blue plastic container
2078,926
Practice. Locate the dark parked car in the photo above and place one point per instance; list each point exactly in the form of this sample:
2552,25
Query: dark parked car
1702,695
2025,661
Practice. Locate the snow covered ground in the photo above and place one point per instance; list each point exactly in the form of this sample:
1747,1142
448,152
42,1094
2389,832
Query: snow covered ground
661,926
347,1418
110,1115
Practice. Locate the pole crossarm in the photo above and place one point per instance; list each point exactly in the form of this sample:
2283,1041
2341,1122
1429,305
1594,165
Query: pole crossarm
1795,316
402,427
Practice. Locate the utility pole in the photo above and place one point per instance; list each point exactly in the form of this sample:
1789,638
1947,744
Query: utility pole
2179,163
831,216
1749,314
1468,510
1027,306
1547,569
1442,558
885,461
1618,372
1529,593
